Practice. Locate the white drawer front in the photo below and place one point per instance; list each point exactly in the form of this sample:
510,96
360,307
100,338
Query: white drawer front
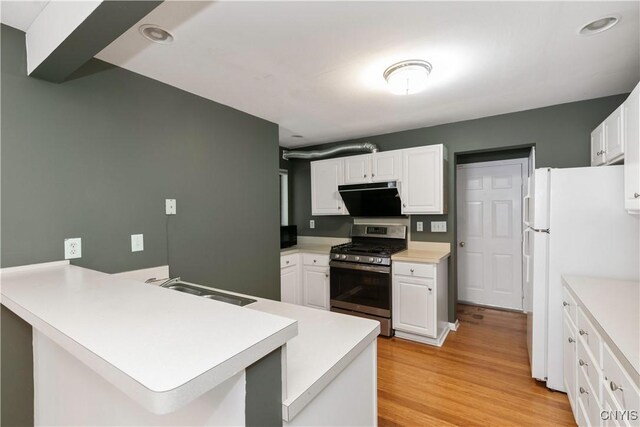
415,270
590,336
288,260
316,260
590,369
624,392
569,305
588,401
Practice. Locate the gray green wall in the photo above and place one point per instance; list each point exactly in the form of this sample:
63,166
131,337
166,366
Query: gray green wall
95,157
559,133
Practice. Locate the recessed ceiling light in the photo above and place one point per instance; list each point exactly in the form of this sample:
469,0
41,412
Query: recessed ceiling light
407,77
599,25
156,34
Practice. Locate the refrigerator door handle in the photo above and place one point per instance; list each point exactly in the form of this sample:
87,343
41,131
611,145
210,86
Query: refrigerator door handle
526,209
527,256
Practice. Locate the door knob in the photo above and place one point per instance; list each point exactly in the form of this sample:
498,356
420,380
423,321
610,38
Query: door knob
462,244
636,195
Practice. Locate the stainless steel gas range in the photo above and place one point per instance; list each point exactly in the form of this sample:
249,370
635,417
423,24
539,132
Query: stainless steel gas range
361,272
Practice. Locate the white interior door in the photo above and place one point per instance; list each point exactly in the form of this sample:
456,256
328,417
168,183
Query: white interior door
489,222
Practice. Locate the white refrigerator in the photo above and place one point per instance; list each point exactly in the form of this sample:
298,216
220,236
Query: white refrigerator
575,223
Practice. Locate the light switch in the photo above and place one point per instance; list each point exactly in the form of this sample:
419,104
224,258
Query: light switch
170,206
420,226
438,226
137,242
312,223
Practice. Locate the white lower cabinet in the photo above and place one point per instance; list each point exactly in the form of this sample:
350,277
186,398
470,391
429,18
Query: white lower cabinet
304,279
601,390
420,302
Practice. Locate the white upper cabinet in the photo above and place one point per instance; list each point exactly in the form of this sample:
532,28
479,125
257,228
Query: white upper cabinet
386,166
422,181
614,142
597,146
631,132
357,169
326,176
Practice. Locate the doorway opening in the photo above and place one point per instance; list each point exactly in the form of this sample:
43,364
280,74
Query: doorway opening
491,193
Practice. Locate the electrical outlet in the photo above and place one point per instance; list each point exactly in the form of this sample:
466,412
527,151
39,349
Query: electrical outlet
312,223
419,226
73,248
170,206
438,226
137,242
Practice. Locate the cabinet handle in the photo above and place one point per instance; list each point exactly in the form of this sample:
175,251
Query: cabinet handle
615,386
314,261
583,391
372,175
404,205
583,332
339,207
411,270
582,363
326,275
430,289
566,304
636,195
287,262
365,175
571,340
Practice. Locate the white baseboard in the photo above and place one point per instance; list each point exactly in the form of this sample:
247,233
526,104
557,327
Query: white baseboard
454,326
437,342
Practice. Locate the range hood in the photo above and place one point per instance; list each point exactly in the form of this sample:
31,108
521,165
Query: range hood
373,200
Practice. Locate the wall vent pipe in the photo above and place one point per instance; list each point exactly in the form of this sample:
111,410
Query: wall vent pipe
328,152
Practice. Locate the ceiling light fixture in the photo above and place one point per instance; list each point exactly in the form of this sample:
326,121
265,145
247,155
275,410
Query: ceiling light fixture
407,77
599,25
156,34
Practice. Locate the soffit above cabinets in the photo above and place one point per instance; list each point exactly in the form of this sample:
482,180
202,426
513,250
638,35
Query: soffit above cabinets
315,68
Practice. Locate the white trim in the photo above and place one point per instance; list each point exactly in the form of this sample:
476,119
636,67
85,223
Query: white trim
519,161
424,340
454,326
34,266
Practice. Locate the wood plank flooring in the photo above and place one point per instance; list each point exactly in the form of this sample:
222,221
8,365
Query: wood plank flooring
479,377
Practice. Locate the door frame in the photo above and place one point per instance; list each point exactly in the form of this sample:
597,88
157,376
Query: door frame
524,175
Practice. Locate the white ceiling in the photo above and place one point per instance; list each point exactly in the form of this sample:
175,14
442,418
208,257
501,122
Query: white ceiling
20,14
315,68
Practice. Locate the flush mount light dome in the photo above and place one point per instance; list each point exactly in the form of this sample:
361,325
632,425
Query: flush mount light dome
599,25
156,34
407,77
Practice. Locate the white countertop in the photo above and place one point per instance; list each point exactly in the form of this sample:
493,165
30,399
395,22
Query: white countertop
160,347
326,343
307,248
433,256
615,305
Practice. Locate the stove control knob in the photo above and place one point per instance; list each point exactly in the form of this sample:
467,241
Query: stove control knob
371,260
343,256
379,260
336,256
357,258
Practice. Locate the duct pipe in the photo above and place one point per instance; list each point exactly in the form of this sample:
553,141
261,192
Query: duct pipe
321,154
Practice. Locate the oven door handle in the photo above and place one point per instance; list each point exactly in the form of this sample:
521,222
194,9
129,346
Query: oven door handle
361,267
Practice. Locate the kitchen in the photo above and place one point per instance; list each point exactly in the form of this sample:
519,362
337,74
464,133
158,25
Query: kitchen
165,171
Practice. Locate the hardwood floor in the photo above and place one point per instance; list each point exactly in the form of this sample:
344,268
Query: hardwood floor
479,377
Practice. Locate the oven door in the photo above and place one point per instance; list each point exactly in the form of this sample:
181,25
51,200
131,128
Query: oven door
361,287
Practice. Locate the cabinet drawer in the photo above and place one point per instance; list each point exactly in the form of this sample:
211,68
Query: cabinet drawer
415,270
590,336
316,259
288,260
587,399
624,391
590,368
569,305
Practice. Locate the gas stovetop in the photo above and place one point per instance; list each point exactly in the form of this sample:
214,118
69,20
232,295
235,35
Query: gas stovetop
371,244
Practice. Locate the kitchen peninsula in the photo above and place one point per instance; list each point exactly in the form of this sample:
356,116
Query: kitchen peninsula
164,358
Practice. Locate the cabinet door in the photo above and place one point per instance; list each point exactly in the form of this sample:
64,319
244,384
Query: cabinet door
316,287
357,169
597,145
326,175
614,144
570,365
386,166
421,185
289,285
631,135
414,308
